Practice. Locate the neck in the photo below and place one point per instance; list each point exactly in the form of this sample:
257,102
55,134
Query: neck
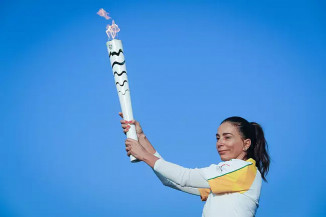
242,156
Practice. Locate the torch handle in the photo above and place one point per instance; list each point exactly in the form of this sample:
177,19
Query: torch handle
133,135
126,108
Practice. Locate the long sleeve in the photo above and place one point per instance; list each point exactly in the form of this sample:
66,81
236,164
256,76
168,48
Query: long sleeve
165,181
181,176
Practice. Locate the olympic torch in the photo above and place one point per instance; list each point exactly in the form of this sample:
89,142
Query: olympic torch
119,70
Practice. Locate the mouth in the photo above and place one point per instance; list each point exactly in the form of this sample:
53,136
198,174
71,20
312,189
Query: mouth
222,152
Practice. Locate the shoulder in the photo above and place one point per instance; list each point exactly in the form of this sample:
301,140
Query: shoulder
231,176
224,167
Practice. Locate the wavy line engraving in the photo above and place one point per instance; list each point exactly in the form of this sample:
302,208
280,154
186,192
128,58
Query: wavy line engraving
118,63
115,53
116,73
123,83
124,93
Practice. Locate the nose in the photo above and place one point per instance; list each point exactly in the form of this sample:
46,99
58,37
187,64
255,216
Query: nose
219,143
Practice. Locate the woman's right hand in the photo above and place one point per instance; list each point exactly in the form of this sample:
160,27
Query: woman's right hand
126,125
140,134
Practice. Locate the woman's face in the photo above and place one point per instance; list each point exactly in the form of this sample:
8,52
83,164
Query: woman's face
230,144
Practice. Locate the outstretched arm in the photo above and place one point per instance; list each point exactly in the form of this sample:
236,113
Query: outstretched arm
177,174
182,176
173,185
145,143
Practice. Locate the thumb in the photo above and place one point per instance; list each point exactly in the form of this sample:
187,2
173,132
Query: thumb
136,123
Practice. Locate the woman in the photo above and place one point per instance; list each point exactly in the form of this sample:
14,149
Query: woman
230,188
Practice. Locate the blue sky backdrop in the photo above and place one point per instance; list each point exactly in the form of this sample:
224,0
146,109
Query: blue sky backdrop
190,64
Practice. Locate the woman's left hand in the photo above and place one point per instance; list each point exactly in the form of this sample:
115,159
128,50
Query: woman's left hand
134,148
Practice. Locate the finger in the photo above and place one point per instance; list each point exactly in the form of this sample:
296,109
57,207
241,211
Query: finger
133,122
124,126
121,115
123,122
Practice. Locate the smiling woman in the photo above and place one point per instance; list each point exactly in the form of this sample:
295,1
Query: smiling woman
243,140
230,188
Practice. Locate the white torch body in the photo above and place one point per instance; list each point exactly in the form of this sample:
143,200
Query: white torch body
119,69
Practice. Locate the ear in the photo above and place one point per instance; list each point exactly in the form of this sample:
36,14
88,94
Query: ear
246,144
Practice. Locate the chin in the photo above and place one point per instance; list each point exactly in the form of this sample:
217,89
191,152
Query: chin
225,158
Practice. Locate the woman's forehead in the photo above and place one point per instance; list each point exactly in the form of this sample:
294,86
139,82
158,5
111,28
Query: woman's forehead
227,127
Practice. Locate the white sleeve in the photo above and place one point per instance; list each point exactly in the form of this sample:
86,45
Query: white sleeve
181,176
172,184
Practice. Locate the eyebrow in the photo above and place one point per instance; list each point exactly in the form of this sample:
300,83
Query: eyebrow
223,134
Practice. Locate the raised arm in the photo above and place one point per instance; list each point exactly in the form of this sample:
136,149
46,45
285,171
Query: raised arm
182,176
172,184
145,143
177,174
169,183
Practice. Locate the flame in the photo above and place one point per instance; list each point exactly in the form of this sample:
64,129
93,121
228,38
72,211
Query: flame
112,30
103,13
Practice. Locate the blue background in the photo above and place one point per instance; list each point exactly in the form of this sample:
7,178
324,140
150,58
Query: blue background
190,64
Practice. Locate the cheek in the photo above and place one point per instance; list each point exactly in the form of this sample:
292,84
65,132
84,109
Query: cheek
237,147
234,147
230,145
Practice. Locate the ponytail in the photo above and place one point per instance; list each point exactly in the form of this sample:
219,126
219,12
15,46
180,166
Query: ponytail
258,149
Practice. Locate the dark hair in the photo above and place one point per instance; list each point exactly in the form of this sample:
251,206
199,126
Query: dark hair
258,149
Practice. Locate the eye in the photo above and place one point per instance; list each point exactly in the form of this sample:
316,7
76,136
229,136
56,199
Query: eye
227,137
217,138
